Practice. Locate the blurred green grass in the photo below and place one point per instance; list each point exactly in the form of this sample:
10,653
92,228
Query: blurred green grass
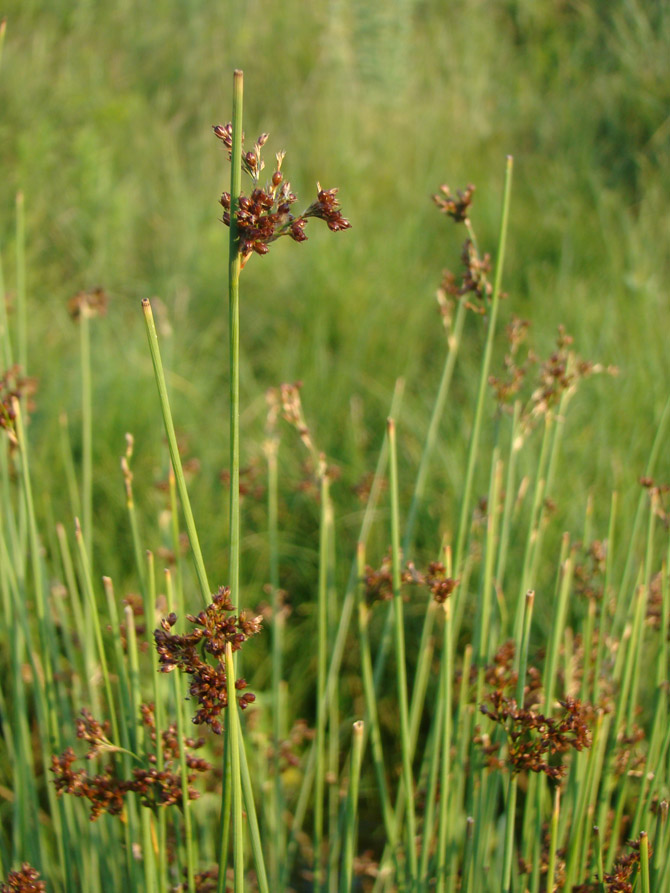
105,127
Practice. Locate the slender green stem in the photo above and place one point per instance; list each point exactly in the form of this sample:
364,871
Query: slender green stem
183,768
21,310
352,808
252,818
233,725
278,841
401,668
447,668
234,265
454,342
86,430
644,862
371,715
553,841
322,657
87,586
463,525
510,806
340,639
174,451
5,335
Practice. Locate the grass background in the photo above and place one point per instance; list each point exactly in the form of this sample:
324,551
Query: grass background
105,127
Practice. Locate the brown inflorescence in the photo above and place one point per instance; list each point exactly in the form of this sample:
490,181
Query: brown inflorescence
555,377
474,278
620,879
25,880
265,215
92,303
440,584
106,791
455,206
13,387
589,572
215,627
533,738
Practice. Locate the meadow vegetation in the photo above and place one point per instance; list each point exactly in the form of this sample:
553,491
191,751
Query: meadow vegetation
423,544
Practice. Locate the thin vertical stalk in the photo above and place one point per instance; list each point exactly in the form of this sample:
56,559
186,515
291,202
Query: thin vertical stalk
600,867
233,727
447,667
87,586
340,640
371,716
453,341
644,861
278,840
510,806
553,841
183,768
5,337
86,430
463,526
322,656
21,310
174,451
148,851
234,266
401,669
68,466
252,818
352,808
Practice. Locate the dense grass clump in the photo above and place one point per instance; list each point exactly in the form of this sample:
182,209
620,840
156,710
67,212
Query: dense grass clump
427,556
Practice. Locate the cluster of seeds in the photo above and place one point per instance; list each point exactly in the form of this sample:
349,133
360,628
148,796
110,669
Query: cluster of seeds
106,791
215,628
265,214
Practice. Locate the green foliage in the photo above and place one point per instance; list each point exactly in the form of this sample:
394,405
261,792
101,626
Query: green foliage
105,134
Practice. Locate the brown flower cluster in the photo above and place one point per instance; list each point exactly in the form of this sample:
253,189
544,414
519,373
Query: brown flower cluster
285,401
205,882
265,215
474,278
559,374
379,582
533,738
629,757
214,628
455,206
440,584
588,574
658,494
25,880
251,484
14,386
105,791
620,879
91,303
291,748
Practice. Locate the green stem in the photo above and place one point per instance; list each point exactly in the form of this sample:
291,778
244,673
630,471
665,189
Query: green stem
234,731
234,266
322,651
86,430
183,768
278,840
463,526
174,451
510,806
21,311
352,808
644,862
401,669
